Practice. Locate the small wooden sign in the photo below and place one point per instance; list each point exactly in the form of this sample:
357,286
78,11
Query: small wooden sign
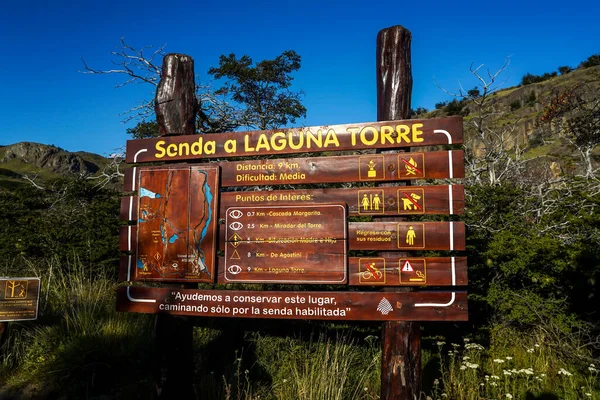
371,135
177,219
406,236
19,298
286,244
340,306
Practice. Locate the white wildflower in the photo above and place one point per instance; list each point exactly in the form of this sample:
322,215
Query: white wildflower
530,350
467,340
563,371
509,396
498,360
466,358
436,382
508,358
463,367
493,384
507,372
495,377
440,343
474,346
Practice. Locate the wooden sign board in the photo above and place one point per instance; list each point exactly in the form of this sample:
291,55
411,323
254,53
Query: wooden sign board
19,299
286,244
358,168
373,135
177,220
340,306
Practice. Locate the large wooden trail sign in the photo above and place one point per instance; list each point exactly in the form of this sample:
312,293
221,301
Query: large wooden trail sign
196,222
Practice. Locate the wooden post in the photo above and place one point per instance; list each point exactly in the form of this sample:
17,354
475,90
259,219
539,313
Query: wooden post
401,343
176,107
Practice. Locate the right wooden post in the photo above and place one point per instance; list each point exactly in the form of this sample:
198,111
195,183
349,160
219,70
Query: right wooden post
401,341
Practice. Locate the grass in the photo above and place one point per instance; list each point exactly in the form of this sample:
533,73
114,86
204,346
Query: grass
80,348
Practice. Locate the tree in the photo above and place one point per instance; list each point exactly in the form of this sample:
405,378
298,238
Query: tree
564,69
252,97
263,89
591,61
574,113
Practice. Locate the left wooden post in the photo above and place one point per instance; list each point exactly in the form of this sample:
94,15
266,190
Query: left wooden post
176,108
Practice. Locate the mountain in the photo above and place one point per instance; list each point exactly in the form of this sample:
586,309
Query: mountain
44,162
514,118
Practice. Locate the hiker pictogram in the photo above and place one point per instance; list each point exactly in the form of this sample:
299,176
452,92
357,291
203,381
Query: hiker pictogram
410,236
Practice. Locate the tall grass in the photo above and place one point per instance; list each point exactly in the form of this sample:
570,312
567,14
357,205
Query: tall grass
528,367
80,344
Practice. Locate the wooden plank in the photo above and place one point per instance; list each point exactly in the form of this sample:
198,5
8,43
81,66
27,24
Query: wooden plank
339,169
390,236
360,136
356,306
423,271
402,200
257,248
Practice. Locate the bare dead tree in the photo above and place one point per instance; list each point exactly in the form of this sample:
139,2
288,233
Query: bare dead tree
137,66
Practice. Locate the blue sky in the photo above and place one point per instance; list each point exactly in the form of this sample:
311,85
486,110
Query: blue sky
44,98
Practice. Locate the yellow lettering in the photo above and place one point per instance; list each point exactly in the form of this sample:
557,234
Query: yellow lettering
210,147
363,136
172,147
293,145
402,131
316,139
331,138
386,134
184,146
353,132
230,146
263,143
160,149
197,147
278,141
247,144
416,133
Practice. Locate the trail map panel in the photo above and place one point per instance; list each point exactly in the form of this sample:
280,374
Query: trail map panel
340,306
286,244
19,298
177,220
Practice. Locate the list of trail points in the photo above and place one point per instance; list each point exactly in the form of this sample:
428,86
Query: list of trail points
258,240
